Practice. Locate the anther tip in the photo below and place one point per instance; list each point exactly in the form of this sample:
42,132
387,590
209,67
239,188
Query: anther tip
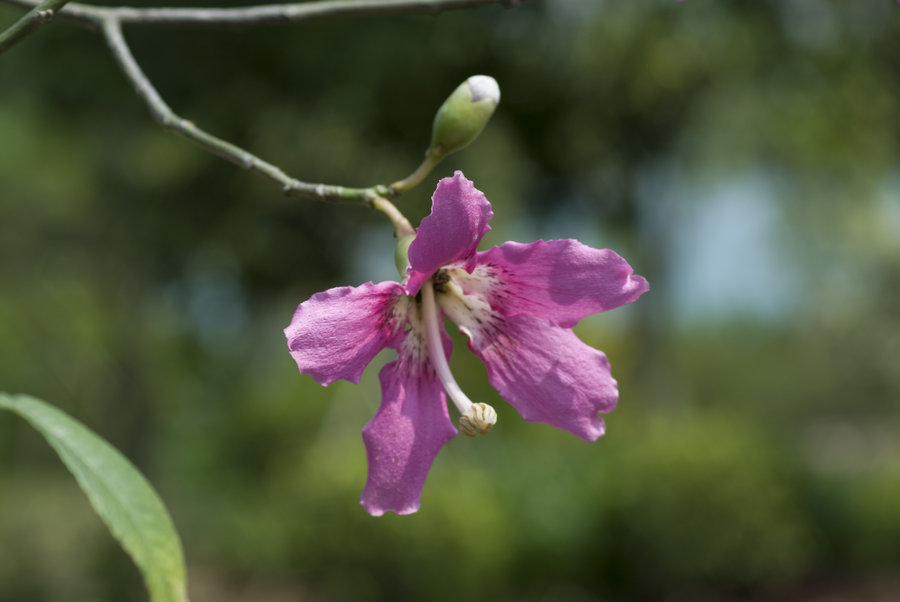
478,420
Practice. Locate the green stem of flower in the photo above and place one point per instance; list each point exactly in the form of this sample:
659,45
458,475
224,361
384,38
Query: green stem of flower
402,227
432,158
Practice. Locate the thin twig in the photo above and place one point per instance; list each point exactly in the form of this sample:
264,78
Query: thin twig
166,117
109,21
252,16
40,15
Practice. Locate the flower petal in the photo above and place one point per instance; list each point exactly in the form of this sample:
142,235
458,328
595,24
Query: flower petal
561,280
335,334
546,372
405,434
459,219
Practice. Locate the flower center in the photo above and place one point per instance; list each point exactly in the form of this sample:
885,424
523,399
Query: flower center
475,417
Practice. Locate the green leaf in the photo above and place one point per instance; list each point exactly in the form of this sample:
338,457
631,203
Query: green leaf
121,496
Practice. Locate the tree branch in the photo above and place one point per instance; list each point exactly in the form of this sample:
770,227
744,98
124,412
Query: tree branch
40,15
166,117
109,21
252,16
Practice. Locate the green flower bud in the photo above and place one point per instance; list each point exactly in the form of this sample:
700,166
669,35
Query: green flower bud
401,253
463,115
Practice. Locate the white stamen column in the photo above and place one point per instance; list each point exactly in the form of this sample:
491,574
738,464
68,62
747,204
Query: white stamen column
475,418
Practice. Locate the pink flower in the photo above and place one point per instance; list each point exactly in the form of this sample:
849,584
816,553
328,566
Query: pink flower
517,304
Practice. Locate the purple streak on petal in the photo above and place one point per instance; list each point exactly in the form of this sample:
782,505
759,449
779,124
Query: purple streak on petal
562,280
459,219
405,435
335,334
547,373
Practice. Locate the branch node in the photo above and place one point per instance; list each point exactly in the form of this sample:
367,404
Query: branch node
169,122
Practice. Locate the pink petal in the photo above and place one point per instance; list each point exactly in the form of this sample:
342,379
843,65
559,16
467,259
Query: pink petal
547,373
562,280
335,334
459,219
405,435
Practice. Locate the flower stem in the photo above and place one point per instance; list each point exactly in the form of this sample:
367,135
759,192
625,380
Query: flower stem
413,179
402,227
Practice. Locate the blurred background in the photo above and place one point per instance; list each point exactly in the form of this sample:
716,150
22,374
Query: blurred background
743,156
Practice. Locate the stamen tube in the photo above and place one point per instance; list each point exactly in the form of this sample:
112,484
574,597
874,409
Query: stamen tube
475,417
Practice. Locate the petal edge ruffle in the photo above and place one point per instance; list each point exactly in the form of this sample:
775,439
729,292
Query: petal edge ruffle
336,333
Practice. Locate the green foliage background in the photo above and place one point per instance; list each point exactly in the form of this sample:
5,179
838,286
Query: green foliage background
754,455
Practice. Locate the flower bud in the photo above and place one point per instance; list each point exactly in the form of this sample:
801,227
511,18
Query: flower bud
463,115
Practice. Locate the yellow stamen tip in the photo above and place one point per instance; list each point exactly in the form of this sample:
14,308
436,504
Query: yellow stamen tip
478,420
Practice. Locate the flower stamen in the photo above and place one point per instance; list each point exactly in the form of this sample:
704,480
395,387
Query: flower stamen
478,420
475,417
